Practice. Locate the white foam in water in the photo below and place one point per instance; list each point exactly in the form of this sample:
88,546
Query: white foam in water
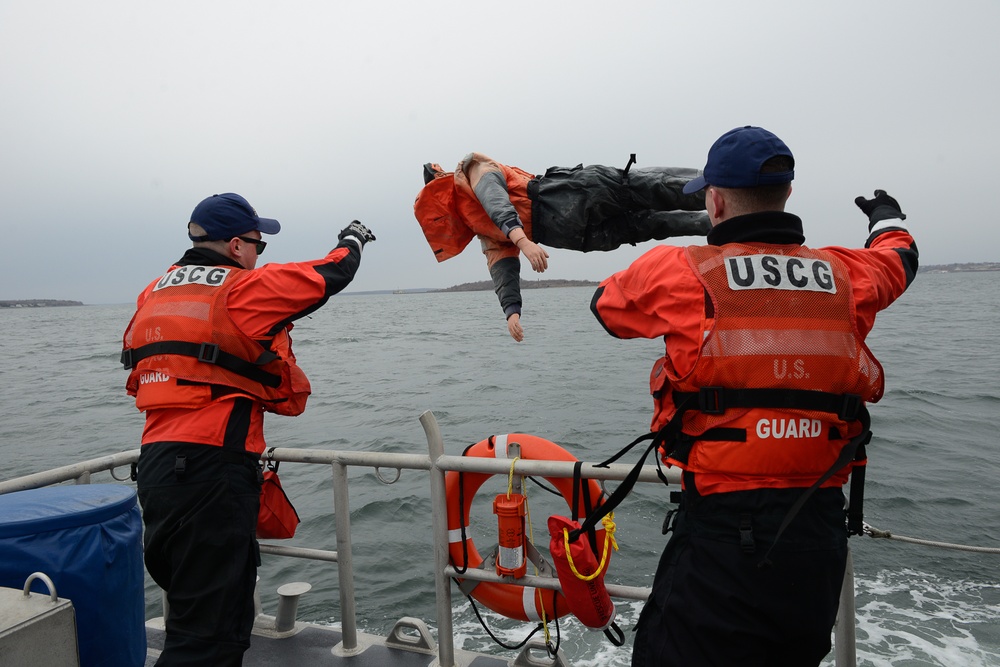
580,646
908,619
904,619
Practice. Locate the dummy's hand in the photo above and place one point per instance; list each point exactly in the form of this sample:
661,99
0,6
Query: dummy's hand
535,254
881,207
514,327
358,231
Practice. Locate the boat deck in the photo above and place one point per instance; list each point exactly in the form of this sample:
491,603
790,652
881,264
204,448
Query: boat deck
314,646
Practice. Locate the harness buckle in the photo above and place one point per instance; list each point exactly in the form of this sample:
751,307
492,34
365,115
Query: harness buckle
126,359
711,400
849,407
180,466
208,352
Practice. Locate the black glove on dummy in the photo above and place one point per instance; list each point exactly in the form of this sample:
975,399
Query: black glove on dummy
358,231
882,207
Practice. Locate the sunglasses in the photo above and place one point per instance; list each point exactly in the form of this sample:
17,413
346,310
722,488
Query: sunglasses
255,242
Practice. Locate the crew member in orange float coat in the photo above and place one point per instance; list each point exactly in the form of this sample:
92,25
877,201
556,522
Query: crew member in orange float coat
753,320
209,353
579,208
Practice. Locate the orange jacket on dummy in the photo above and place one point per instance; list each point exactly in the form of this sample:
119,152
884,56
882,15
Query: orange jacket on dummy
450,214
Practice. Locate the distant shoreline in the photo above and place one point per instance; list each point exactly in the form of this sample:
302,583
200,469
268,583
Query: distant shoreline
38,303
960,268
483,285
487,285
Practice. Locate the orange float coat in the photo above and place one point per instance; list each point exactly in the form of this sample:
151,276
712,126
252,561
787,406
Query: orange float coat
451,216
262,304
760,315
186,309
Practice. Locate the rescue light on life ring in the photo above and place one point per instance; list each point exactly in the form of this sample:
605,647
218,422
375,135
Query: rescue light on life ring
510,509
525,603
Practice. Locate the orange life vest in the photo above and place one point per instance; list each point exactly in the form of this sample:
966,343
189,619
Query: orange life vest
185,351
778,318
450,214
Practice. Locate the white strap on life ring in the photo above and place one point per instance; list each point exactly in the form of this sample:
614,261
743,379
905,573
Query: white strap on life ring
528,602
500,445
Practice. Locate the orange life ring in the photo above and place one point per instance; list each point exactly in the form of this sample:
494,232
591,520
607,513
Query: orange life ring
525,603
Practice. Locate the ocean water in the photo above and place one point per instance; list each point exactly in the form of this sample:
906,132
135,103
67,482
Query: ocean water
378,361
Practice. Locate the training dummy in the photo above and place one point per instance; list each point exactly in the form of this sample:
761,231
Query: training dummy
575,208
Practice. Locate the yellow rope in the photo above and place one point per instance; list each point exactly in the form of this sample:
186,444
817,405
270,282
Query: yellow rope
510,478
609,538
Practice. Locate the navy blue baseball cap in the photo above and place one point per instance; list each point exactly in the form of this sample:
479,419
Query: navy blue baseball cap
735,159
227,215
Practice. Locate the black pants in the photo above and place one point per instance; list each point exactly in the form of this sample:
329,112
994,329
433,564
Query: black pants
200,547
600,208
712,605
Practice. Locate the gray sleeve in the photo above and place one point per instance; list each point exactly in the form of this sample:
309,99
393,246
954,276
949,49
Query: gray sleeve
491,190
506,274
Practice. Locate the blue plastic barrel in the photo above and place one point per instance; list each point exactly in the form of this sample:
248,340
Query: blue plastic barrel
88,539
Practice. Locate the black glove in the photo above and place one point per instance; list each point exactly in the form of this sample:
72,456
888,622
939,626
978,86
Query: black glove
358,231
882,207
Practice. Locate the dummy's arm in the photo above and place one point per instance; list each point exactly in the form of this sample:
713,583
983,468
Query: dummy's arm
507,284
506,274
491,190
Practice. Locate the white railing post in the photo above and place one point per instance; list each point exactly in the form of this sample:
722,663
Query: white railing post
844,650
439,514
345,561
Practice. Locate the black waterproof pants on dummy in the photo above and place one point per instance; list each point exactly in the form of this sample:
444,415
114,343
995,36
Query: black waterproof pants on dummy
200,507
713,604
600,208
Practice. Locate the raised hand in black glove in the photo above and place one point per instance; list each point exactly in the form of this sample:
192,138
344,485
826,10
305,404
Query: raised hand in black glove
881,207
358,231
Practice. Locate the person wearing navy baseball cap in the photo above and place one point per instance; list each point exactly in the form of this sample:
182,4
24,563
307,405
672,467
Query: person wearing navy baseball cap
228,215
761,400
737,160
209,352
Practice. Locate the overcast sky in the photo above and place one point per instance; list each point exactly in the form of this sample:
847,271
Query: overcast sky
117,117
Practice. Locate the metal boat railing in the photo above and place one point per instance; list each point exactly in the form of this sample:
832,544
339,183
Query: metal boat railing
437,463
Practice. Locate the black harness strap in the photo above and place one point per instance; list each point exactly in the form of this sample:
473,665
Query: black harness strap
631,161
619,494
666,434
208,353
581,484
461,518
847,454
715,400
615,634
855,504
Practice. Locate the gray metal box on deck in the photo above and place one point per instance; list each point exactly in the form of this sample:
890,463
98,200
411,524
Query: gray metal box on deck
37,629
